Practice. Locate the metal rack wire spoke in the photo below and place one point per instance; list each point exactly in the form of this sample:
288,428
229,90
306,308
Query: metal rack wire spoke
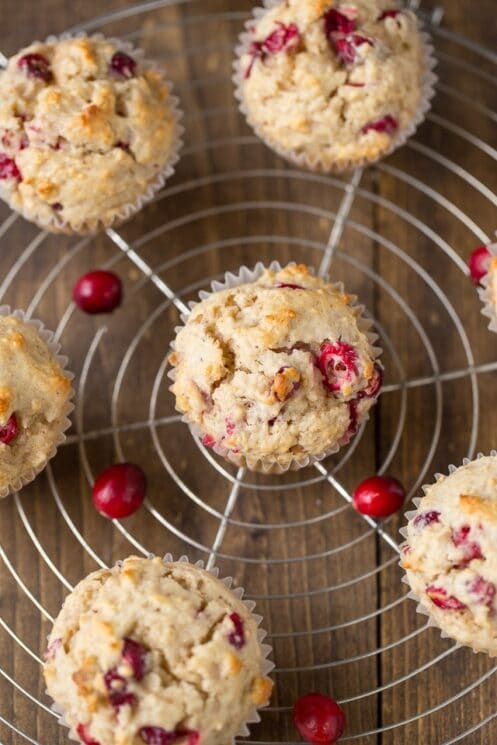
334,619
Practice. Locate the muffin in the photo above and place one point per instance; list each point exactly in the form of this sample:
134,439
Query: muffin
276,372
34,401
488,289
450,556
155,652
332,85
88,132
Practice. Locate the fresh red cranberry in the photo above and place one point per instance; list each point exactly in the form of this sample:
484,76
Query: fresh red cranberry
8,168
35,66
478,263
483,590
159,736
319,719
9,431
389,14
387,124
374,385
289,286
98,291
283,38
85,736
442,600
426,518
52,648
135,655
336,22
208,441
123,64
379,496
119,490
345,47
237,637
471,549
337,362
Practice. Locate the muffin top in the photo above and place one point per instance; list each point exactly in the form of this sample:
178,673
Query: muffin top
84,129
336,81
277,368
451,557
34,391
155,652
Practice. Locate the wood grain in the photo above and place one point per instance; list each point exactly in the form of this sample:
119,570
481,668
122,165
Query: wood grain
233,202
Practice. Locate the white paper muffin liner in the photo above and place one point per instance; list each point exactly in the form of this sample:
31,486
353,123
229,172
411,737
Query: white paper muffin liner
302,159
423,610
271,465
266,649
49,338
58,225
485,294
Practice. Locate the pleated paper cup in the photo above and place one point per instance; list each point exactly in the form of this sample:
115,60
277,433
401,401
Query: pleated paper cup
274,465
56,224
316,162
421,608
487,293
265,649
62,424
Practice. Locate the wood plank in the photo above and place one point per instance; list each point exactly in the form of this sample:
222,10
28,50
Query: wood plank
249,206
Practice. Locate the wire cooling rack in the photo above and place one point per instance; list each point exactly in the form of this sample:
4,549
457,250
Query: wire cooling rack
326,580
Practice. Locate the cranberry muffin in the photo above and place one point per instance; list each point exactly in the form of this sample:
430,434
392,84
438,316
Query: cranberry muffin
34,402
332,85
155,652
488,289
88,132
277,371
449,554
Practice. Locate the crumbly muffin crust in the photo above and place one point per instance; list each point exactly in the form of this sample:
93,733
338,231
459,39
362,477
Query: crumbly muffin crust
335,82
85,129
155,652
450,556
276,369
34,391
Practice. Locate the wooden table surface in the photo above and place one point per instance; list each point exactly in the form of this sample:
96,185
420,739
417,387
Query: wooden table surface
298,548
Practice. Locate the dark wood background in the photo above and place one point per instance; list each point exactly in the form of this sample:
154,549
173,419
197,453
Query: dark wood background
409,223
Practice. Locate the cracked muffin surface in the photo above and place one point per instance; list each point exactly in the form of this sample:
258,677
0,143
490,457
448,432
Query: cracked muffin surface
155,652
335,82
276,369
34,391
85,130
450,557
